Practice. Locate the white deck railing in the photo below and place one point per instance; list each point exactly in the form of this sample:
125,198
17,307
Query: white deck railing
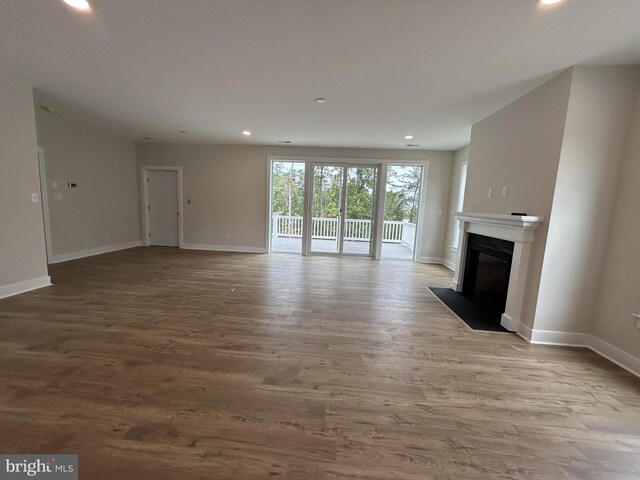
326,228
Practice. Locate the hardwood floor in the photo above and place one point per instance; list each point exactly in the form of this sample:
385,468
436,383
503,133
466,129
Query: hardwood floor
164,364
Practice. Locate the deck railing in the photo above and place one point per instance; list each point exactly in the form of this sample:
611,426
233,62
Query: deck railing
355,229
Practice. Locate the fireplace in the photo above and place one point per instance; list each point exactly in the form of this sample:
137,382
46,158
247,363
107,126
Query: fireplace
486,278
493,259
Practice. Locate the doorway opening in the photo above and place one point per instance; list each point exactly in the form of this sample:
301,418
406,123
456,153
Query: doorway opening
401,210
162,206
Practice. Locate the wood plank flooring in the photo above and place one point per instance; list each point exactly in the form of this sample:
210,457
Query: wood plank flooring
161,364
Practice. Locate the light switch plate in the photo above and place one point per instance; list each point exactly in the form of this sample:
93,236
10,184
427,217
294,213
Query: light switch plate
490,192
504,191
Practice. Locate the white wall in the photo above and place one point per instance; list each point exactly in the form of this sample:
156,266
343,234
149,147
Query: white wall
22,247
459,158
519,147
227,185
102,213
619,292
570,151
595,139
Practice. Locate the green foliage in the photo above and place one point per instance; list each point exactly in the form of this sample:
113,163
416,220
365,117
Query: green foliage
401,200
288,189
403,193
327,186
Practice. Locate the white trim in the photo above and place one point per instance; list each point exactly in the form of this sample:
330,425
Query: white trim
90,252
439,260
527,222
509,323
144,169
267,242
615,355
524,331
24,286
223,248
550,337
449,264
584,340
44,196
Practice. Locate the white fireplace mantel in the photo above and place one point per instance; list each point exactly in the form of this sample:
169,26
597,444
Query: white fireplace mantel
519,229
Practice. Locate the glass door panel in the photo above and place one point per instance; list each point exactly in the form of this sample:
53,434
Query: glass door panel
360,201
287,206
326,208
402,199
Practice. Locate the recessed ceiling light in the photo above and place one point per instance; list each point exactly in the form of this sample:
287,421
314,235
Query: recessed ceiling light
321,100
412,145
408,137
284,141
549,2
81,5
246,133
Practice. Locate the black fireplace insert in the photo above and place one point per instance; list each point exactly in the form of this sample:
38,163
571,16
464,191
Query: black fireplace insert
486,276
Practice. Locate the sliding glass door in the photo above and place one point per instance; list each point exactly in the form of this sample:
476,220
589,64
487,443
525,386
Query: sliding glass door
342,209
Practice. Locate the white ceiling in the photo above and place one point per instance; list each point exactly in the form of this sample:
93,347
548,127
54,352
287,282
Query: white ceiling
431,68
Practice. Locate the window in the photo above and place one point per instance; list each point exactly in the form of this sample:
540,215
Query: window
459,205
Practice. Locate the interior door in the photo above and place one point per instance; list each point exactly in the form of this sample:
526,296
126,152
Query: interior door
163,208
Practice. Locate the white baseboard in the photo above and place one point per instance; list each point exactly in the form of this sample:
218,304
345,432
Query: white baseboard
549,337
24,286
614,354
449,264
509,323
566,339
439,260
223,248
90,252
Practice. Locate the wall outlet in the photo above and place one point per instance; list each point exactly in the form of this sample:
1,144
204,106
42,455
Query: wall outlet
34,197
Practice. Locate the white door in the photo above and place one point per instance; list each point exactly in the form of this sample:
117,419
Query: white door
163,207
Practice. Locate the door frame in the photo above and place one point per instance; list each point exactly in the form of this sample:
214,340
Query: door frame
44,197
144,179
